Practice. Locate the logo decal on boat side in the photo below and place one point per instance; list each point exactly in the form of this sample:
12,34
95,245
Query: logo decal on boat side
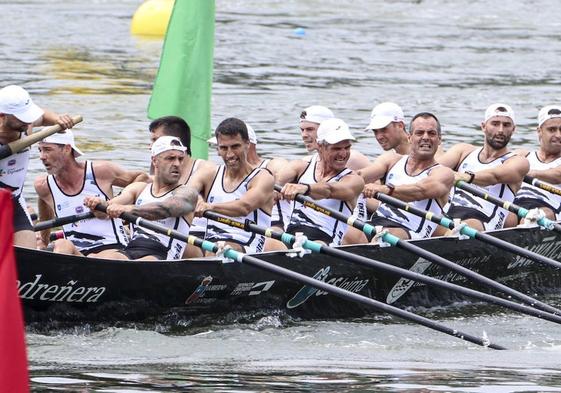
69,293
547,248
199,291
404,284
252,288
305,292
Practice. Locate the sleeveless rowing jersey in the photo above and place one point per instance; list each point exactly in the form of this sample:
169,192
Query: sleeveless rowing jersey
198,226
13,170
419,227
305,216
221,232
530,192
91,233
175,247
494,216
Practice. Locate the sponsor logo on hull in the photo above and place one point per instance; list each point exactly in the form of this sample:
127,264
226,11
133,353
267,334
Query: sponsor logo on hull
70,292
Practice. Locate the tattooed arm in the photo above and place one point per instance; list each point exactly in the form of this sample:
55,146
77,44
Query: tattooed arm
181,203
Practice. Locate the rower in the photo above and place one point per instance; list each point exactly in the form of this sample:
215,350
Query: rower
545,164
18,116
492,167
416,178
177,127
165,200
62,191
387,122
325,177
236,189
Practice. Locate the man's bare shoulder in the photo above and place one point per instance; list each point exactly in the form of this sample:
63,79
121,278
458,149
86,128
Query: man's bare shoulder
357,160
41,185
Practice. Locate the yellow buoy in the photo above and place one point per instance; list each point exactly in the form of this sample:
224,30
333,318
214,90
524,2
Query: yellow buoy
152,17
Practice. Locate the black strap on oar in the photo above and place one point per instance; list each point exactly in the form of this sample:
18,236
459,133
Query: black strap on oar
474,234
305,280
429,256
56,222
317,247
15,146
519,211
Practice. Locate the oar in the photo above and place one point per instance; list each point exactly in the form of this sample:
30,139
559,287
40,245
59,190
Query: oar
305,280
317,247
542,184
15,146
520,212
55,222
474,234
429,256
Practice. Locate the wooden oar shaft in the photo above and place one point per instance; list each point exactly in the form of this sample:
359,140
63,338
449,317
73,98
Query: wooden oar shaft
542,184
240,257
15,146
289,240
55,222
395,241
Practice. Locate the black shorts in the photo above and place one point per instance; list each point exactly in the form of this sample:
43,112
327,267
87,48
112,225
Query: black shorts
21,218
114,246
310,232
386,223
142,247
463,213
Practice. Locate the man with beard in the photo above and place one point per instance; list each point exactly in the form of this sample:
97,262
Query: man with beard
236,189
545,164
492,167
325,178
415,178
62,192
165,200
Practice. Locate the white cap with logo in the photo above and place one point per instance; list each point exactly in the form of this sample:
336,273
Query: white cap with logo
250,133
14,100
499,109
333,131
64,138
167,143
549,112
384,114
316,114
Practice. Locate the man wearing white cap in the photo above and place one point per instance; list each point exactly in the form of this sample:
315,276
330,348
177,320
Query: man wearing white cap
310,119
545,164
388,124
415,178
325,177
18,115
62,191
492,167
165,200
236,189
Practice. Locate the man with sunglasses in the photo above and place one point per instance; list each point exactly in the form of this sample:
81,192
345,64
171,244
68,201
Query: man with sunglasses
18,116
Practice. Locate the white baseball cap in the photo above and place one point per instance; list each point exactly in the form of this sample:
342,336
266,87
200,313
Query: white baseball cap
548,112
250,133
316,114
384,114
333,131
14,100
65,138
166,143
499,109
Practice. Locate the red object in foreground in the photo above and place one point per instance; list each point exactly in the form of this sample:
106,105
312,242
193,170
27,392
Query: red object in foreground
13,359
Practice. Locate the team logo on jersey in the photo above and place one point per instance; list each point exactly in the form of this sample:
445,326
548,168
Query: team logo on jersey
12,162
58,207
79,209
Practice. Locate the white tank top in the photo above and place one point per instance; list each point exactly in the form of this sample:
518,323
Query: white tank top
13,170
495,215
198,226
528,191
174,247
222,232
302,215
91,233
419,227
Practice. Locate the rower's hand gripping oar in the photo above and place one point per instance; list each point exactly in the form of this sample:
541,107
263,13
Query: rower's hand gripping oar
317,247
55,222
16,146
414,249
518,210
303,279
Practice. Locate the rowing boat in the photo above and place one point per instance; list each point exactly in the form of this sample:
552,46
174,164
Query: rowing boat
78,289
